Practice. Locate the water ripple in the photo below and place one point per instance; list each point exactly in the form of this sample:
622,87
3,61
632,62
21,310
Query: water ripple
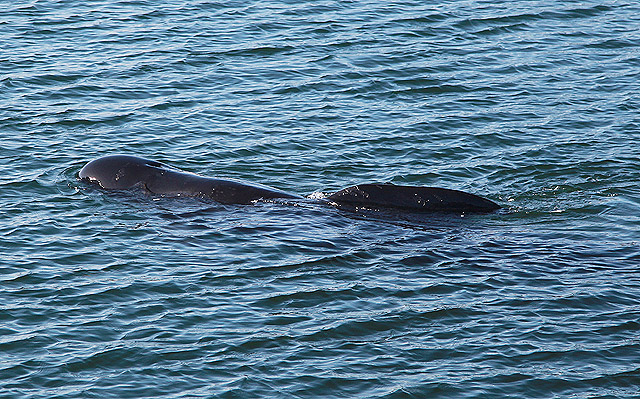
532,104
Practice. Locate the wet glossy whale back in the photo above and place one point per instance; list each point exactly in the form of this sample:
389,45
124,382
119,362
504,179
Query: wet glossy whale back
121,172
421,199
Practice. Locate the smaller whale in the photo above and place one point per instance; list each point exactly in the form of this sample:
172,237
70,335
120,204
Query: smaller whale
124,172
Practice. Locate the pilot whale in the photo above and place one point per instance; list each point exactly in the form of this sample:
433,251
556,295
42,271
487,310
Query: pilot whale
125,172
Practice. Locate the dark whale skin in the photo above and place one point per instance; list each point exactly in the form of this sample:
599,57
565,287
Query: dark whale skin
414,198
123,172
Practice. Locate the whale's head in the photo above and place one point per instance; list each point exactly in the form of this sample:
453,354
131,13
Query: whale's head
120,172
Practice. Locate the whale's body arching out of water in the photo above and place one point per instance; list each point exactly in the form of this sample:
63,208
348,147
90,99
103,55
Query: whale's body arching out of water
123,172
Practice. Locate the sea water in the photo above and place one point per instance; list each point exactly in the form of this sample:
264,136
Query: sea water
532,104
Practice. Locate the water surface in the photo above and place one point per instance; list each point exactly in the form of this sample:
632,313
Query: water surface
533,104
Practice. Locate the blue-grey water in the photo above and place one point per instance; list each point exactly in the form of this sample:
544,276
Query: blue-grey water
533,104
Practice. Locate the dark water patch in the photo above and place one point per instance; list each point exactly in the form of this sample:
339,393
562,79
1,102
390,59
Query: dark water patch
259,51
578,13
614,44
